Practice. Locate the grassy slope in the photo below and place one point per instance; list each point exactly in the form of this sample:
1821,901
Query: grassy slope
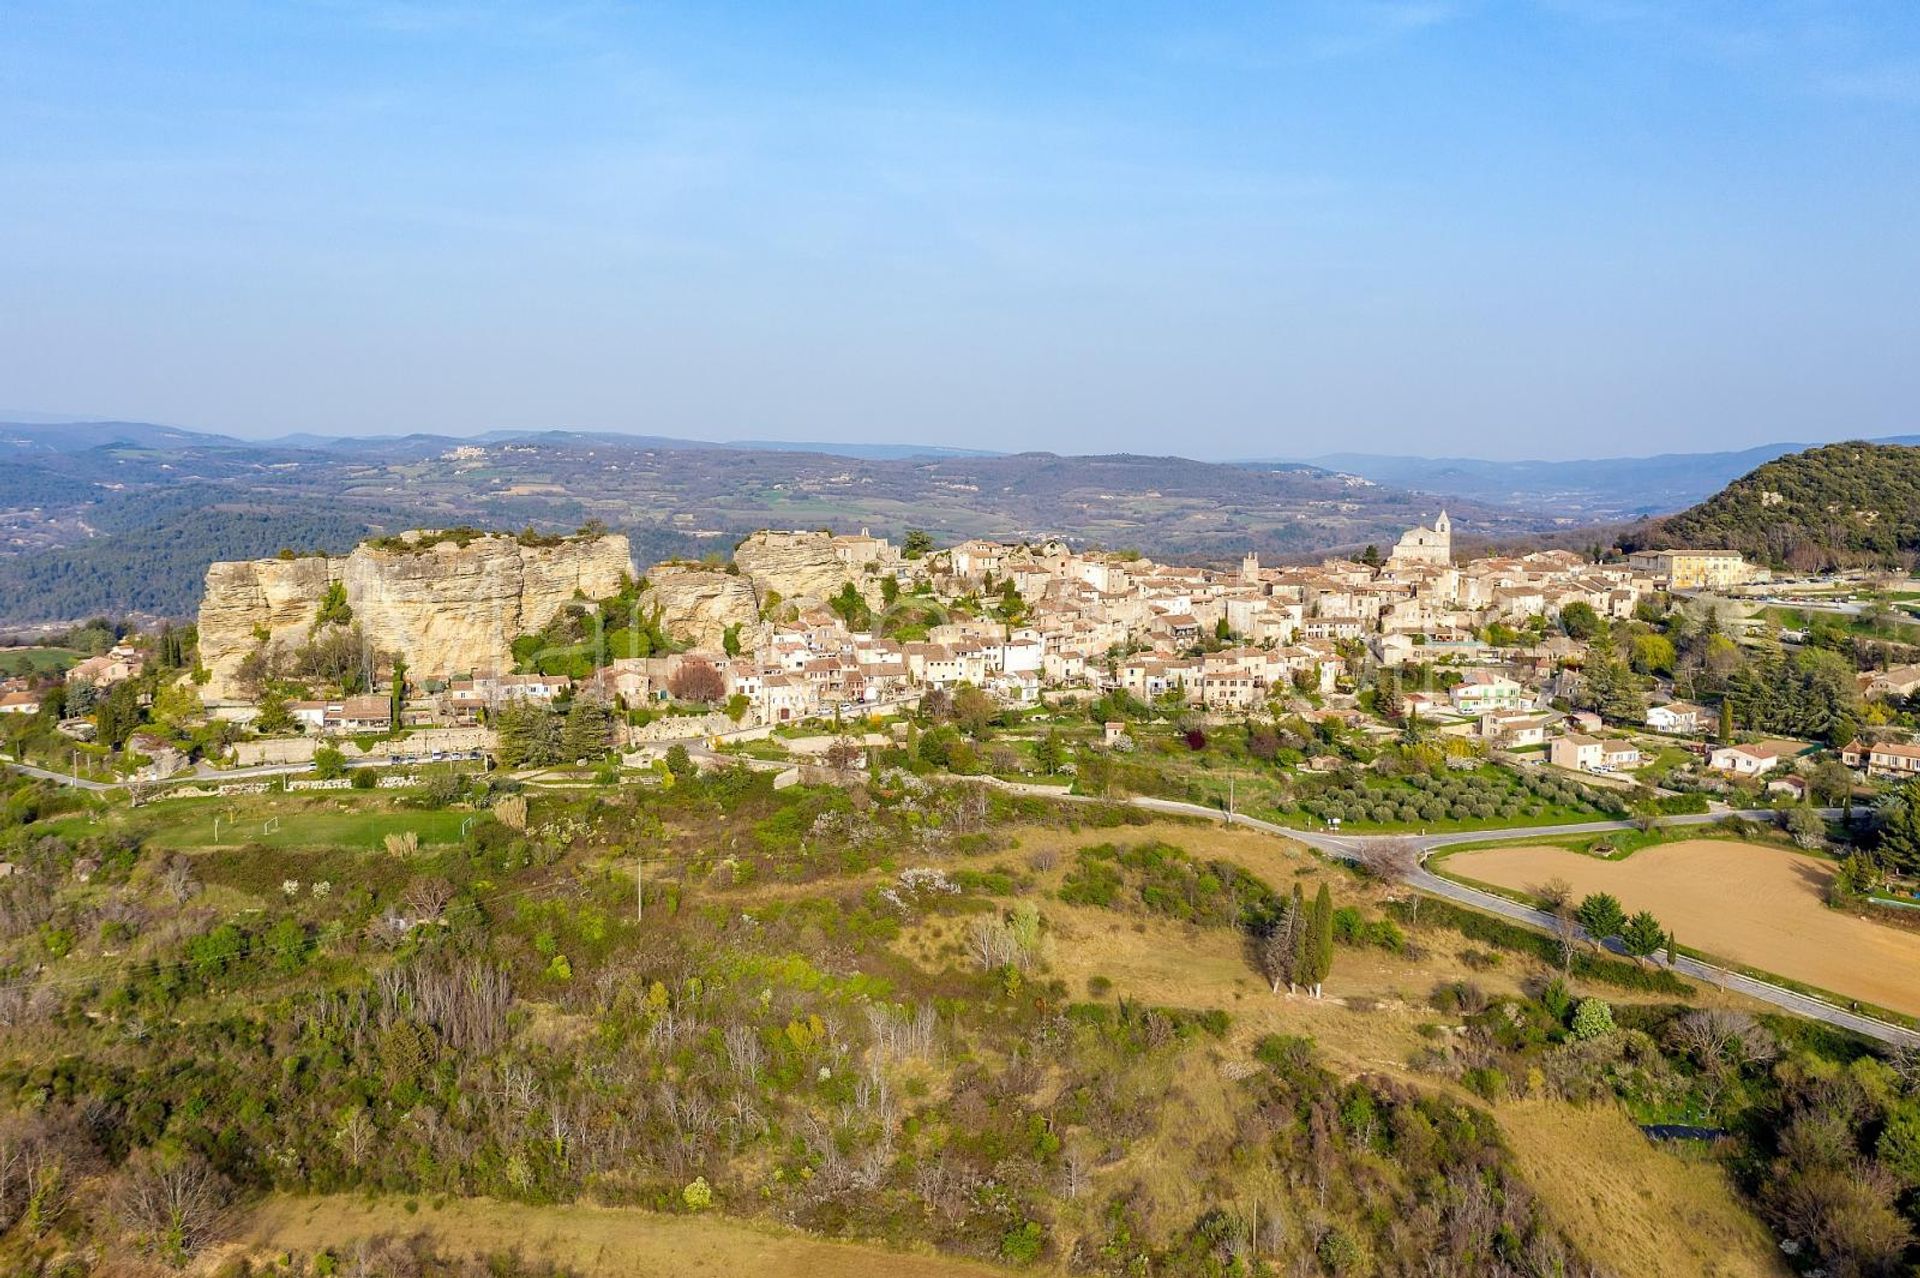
1636,1207
601,1242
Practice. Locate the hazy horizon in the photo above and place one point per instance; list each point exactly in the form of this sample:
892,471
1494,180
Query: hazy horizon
1529,230
31,417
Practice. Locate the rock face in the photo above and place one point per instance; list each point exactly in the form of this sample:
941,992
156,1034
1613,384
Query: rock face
698,604
247,599
449,609
804,567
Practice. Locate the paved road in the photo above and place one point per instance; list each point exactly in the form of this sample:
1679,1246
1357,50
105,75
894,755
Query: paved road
1345,845
61,778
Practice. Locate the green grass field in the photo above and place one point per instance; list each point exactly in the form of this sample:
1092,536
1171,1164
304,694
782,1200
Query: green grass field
304,822
19,661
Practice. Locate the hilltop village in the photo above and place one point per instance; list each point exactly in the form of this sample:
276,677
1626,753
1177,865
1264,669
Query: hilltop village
544,871
413,648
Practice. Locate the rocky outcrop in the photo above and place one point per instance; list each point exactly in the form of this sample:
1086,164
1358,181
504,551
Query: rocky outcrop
450,607
697,605
250,602
805,567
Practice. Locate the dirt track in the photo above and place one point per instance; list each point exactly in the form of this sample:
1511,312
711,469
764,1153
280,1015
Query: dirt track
1761,906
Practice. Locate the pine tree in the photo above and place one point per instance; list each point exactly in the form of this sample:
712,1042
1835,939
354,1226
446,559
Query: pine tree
587,729
1726,720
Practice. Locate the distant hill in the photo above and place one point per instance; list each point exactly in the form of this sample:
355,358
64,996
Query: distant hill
77,436
1855,503
1595,490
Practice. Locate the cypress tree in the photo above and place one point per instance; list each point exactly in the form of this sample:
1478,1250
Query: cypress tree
1301,969
1322,939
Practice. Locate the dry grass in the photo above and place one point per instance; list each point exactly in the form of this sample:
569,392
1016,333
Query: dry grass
601,1242
1761,906
1630,1205
1635,1207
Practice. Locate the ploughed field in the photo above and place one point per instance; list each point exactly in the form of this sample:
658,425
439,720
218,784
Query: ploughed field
1761,906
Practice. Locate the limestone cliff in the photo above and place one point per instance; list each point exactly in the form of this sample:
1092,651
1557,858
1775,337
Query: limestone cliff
808,567
698,604
449,608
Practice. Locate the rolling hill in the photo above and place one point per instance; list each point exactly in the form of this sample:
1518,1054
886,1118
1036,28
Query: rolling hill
1840,504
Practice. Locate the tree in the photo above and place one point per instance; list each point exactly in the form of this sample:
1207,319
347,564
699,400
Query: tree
852,608
529,732
1805,826
1315,946
680,764
1897,821
973,710
1579,621
333,609
329,763
588,728
1048,754
917,544
1830,782
1899,1145
1726,720
699,682
397,696
843,754
1280,948
1566,934
730,640
1643,935
1652,654
119,714
1394,861
1602,916
1371,556
175,1204
274,716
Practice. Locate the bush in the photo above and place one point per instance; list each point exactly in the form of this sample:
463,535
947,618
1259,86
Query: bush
1023,1245
1592,1019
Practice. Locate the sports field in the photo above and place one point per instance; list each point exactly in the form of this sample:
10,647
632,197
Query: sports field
294,821
1761,906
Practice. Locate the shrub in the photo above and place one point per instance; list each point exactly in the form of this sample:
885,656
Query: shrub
1592,1019
698,1195
1023,1245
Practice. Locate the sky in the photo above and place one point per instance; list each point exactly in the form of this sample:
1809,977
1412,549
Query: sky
1538,228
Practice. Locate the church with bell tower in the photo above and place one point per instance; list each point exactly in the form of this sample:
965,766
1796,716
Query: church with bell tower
1425,545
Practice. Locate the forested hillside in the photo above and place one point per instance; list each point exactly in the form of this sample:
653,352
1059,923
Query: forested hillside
1845,504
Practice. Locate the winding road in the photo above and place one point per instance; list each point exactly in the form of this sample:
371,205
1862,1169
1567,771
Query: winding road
1345,846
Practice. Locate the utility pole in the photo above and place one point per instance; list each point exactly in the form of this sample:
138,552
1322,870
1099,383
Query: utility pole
1229,800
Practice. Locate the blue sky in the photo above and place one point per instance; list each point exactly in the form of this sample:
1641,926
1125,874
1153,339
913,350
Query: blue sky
1537,228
